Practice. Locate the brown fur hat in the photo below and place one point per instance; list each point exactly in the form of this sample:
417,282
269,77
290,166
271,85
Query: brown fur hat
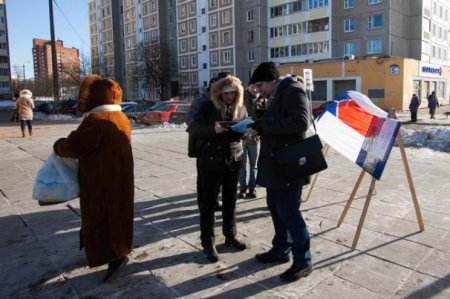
104,92
83,93
229,82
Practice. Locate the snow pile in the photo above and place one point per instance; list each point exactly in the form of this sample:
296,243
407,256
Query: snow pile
53,117
164,125
435,138
7,104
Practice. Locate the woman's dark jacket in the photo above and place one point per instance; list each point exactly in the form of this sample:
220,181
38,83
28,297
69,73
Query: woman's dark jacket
215,151
285,122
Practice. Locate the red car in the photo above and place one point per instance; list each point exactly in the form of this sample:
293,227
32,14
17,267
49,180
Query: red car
318,110
162,113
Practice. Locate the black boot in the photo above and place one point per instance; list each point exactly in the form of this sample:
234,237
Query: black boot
295,272
235,243
211,253
114,267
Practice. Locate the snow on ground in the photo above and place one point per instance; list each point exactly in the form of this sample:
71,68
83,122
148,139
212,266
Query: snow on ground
437,138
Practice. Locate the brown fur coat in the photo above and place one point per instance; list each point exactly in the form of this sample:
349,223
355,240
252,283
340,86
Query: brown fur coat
102,145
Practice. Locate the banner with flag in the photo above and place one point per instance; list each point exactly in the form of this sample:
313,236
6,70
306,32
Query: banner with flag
358,130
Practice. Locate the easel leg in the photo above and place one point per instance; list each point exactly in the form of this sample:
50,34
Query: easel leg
314,178
410,182
363,215
352,196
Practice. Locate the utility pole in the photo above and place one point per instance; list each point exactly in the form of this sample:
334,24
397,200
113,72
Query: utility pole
54,58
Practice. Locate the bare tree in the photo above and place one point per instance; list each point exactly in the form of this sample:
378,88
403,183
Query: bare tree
155,68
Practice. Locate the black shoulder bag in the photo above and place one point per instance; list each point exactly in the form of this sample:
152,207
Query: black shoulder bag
301,159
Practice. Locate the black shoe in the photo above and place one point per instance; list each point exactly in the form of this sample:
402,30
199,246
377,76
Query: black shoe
218,206
269,257
241,194
251,194
235,243
295,272
114,267
211,253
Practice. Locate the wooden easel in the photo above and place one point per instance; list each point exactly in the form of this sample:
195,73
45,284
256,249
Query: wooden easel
370,193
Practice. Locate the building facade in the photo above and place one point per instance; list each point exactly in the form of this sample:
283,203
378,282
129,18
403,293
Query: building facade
199,39
5,65
68,60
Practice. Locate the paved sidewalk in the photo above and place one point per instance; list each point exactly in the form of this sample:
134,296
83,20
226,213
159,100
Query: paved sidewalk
39,246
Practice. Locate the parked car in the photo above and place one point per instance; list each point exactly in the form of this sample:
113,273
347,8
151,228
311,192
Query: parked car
135,111
44,107
162,113
69,106
179,116
318,110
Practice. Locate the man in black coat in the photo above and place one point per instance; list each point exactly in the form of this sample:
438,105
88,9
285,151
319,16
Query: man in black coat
284,122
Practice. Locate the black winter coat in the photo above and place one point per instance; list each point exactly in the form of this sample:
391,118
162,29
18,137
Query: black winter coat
215,151
285,122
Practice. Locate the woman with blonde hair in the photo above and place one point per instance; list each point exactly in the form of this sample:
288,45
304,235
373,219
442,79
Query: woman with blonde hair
219,160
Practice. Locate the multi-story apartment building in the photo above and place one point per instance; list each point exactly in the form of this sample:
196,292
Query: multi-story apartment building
405,28
68,60
219,36
299,30
199,39
107,43
5,66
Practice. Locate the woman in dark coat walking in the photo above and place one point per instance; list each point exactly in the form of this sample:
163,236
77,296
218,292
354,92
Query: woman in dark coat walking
219,161
414,107
102,145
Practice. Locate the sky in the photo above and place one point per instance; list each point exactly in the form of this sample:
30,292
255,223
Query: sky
29,19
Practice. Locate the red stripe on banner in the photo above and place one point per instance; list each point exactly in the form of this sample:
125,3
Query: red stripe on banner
355,117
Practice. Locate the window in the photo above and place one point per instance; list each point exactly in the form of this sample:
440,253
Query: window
183,61
374,46
213,20
193,81
349,4
226,17
251,56
226,56
226,38
349,48
193,61
349,25
250,36
374,1
213,40
375,22
250,16
194,43
214,58
317,3
183,45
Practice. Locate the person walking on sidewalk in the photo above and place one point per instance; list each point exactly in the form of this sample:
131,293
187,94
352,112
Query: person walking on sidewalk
24,107
250,145
102,145
414,107
432,104
285,122
219,161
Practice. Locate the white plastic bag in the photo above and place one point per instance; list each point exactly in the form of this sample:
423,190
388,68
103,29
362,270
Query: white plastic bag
57,180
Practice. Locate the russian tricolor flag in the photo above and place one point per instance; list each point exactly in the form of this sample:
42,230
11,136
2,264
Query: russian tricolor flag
359,130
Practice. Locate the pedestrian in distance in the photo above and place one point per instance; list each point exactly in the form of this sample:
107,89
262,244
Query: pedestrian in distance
24,107
254,104
219,161
195,144
414,107
432,104
285,122
102,145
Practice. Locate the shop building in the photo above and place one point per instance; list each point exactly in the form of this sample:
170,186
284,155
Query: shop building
388,81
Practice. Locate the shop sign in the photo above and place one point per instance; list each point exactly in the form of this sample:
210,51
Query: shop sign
428,70
394,69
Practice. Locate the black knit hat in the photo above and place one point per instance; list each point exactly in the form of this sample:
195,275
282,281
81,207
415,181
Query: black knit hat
266,71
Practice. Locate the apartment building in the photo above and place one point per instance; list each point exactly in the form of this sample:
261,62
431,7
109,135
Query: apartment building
107,43
219,36
68,60
5,66
299,30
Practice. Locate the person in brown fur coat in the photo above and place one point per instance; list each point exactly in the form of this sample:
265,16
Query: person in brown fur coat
102,145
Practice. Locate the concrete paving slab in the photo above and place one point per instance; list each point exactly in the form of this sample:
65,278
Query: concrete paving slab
39,246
